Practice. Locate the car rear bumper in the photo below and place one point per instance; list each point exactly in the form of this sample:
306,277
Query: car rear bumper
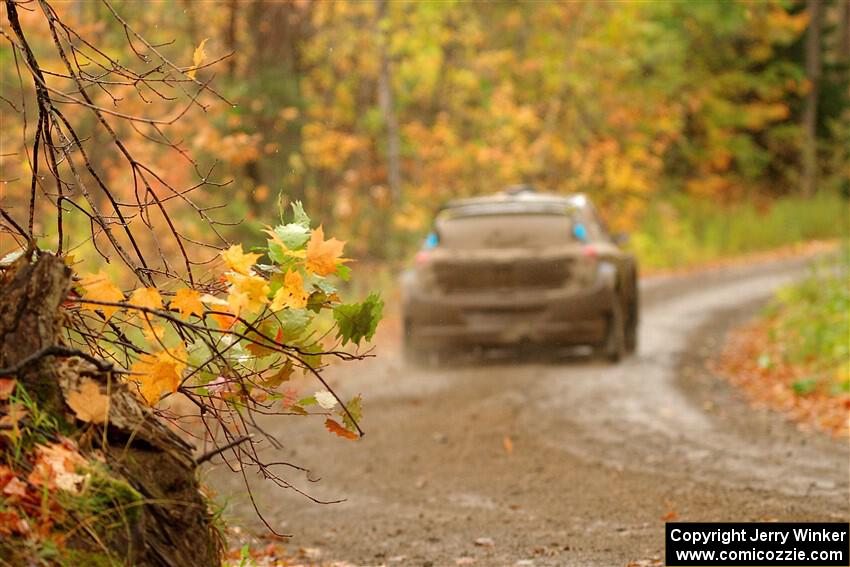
552,317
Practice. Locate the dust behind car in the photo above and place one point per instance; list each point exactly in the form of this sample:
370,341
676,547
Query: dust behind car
519,268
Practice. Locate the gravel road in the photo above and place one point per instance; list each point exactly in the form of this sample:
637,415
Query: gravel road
572,462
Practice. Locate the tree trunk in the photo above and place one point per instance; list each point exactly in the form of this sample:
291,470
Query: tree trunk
172,526
810,109
844,32
386,101
230,36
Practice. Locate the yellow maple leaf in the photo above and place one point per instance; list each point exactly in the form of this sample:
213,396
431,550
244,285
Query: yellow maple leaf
249,292
159,372
98,287
88,403
291,294
239,261
198,57
323,256
188,302
147,297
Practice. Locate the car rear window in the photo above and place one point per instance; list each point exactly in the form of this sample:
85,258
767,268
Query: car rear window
532,230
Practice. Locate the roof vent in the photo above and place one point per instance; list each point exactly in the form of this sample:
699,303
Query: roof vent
520,189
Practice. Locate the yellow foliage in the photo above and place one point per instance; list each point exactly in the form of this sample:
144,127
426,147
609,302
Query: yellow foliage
98,287
291,294
160,372
239,261
323,256
188,302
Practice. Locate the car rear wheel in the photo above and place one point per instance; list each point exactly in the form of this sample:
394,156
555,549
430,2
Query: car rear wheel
632,328
417,354
614,347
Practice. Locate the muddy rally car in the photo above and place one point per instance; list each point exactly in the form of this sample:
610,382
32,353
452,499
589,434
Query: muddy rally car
520,268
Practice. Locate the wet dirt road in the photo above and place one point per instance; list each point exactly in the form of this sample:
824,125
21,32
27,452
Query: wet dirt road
568,463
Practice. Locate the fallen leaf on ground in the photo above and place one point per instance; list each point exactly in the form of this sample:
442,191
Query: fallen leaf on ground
88,403
7,386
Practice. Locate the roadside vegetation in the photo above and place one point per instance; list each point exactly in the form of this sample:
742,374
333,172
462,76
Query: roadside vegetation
684,232
795,357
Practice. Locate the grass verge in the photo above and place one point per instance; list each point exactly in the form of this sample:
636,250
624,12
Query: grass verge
795,358
684,231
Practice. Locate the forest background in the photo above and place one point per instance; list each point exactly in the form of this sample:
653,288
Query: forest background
702,128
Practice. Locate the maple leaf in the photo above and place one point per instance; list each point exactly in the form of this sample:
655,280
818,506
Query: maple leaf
282,375
187,302
335,427
287,240
291,294
147,297
355,408
56,465
88,403
239,261
98,287
323,256
247,291
159,372
257,341
358,321
198,57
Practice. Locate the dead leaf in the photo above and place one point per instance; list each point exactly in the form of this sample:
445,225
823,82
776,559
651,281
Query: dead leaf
88,403
341,431
198,58
508,444
56,466
15,487
7,386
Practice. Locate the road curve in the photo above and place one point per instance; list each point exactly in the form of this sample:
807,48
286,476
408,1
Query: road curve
568,463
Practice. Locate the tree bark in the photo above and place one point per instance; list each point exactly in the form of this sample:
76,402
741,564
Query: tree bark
230,36
386,101
810,109
174,526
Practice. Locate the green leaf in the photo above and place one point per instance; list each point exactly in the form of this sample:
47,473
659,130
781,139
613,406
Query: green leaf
356,321
355,408
293,235
344,272
308,401
293,323
299,216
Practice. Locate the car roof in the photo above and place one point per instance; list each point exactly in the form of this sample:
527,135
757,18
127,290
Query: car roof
514,200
